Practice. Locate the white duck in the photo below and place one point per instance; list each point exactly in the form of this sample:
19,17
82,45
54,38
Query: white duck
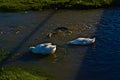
82,41
45,48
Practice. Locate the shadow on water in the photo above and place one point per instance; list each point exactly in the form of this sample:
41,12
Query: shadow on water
33,32
102,62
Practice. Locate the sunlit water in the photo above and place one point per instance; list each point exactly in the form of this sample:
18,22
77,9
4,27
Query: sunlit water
99,61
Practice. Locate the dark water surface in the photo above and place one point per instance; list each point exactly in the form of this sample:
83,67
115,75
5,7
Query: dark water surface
99,61
103,61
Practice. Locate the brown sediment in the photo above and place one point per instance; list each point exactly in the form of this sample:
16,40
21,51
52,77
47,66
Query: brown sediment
59,31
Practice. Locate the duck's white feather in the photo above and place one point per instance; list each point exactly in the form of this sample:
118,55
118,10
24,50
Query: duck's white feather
45,48
82,41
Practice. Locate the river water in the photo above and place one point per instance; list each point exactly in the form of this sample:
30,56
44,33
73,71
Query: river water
99,61
102,62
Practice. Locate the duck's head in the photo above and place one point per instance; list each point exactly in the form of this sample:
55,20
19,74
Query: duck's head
93,40
53,48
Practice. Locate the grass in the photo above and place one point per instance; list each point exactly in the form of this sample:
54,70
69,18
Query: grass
22,5
4,54
24,73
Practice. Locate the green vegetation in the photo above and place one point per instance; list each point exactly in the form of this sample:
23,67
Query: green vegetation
24,73
20,5
4,54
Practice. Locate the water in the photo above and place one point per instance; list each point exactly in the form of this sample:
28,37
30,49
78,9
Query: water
99,61
102,62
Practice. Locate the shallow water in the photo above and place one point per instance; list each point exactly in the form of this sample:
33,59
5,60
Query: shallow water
99,61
